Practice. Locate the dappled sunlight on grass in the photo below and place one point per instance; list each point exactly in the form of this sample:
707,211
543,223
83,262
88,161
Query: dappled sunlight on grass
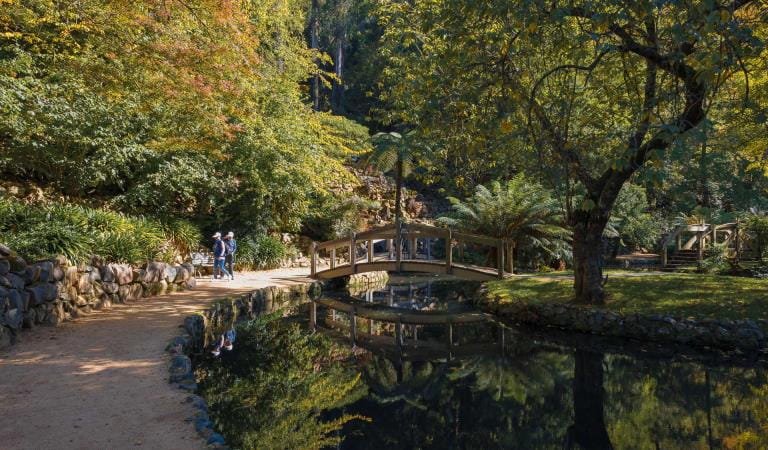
682,295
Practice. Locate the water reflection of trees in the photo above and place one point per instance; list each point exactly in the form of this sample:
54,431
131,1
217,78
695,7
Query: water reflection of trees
560,399
489,402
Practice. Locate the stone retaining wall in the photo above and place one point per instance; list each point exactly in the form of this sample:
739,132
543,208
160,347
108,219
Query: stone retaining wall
720,333
49,292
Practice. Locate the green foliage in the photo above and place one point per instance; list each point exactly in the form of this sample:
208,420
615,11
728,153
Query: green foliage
260,252
77,232
194,109
631,222
272,389
716,259
756,226
520,210
336,217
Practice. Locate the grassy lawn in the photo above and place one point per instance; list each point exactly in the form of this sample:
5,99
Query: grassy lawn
682,295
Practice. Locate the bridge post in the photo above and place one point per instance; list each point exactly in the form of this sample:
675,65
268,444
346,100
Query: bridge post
449,252
500,257
370,250
313,263
700,253
333,258
353,252
412,247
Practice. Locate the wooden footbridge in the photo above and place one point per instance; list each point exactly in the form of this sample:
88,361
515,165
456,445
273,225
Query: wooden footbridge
412,247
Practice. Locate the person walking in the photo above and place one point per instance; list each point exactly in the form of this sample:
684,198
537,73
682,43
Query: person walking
219,254
229,241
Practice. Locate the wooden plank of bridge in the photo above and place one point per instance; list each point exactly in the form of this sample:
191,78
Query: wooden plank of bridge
353,253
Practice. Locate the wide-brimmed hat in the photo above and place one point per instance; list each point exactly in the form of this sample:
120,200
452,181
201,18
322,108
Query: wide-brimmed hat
216,235
230,234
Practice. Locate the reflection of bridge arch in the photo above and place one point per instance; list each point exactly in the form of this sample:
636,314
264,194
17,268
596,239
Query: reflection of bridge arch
402,254
401,321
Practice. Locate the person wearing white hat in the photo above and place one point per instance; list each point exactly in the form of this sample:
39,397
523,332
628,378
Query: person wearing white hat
219,254
231,244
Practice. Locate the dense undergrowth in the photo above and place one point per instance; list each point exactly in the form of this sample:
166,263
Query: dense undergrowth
79,232
272,389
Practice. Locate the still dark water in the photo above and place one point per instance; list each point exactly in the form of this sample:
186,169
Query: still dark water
527,390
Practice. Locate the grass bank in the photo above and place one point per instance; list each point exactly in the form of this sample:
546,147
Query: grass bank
677,294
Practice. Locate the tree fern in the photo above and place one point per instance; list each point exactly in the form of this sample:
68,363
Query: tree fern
519,210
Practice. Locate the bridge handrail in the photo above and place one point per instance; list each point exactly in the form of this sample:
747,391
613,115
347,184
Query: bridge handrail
410,231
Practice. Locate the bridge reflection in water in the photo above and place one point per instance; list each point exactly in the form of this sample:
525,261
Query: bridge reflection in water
407,322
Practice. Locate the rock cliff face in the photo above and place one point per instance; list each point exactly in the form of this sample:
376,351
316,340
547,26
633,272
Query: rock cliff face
49,292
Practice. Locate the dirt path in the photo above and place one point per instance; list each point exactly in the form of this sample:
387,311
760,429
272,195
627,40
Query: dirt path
100,382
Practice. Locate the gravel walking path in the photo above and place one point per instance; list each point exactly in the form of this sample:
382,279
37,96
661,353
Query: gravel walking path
101,381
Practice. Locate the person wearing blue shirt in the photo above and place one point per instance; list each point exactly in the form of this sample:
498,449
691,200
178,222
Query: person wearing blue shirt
229,241
226,341
219,254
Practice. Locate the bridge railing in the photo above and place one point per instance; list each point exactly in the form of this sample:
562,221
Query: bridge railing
405,235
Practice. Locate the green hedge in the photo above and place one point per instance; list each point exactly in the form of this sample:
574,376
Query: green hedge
77,232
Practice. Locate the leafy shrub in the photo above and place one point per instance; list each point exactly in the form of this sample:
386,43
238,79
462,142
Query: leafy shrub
338,217
756,227
631,223
260,252
77,232
46,239
184,236
716,259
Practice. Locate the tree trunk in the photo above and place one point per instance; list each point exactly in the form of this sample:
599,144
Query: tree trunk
587,256
398,190
704,195
588,429
337,93
315,44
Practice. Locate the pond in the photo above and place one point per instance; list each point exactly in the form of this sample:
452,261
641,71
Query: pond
526,389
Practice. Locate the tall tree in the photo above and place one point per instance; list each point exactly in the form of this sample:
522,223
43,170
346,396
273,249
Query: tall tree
605,88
